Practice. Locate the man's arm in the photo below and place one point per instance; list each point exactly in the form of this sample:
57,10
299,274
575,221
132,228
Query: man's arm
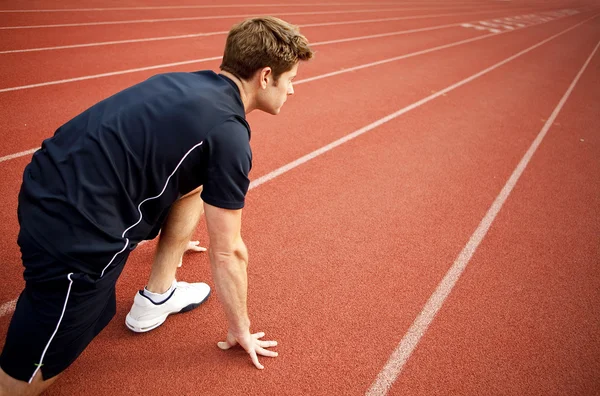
229,262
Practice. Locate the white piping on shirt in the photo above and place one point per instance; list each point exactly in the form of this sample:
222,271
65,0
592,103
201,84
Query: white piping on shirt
145,200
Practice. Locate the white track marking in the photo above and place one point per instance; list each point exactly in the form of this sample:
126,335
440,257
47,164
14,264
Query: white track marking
394,59
194,35
398,113
499,24
189,7
180,7
160,20
5,308
372,36
347,70
403,351
93,76
319,77
17,155
167,65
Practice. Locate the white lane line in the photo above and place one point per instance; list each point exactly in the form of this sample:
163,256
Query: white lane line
100,43
342,71
319,77
160,20
17,155
403,351
116,73
396,58
179,7
167,65
193,35
372,36
398,113
294,164
186,7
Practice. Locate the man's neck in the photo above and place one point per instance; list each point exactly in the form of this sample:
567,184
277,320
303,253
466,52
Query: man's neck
245,91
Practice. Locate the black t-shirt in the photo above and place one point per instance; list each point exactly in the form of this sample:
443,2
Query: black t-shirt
107,179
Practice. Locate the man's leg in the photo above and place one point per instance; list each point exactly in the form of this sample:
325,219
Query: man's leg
51,326
174,237
13,387
164,296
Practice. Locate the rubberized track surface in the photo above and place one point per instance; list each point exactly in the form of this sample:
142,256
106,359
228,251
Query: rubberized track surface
435,230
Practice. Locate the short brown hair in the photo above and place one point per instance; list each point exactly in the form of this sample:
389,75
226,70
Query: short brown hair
264,42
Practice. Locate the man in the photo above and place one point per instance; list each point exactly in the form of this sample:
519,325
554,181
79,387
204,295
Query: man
151,158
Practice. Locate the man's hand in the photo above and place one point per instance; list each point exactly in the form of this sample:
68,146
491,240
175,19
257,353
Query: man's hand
252,343
194,246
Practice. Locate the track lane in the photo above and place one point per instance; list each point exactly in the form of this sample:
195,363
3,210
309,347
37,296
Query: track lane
111,5
53,18
65,104
221,29
520,320
194,17
396,242
398,84
69,99
27,38
267,135
42,67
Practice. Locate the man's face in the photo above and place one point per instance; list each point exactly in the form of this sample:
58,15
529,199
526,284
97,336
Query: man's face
274,95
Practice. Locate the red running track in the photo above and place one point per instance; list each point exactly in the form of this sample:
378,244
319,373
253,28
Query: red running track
416,76
347,248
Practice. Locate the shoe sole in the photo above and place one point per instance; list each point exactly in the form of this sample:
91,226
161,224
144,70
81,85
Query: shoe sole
161,319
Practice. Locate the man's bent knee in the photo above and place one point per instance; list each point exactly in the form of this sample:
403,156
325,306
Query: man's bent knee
13,387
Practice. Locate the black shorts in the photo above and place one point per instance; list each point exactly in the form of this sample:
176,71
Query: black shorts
56,318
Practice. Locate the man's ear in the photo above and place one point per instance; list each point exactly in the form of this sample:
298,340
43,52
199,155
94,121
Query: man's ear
265,75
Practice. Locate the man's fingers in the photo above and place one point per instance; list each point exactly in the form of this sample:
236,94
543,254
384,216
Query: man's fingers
265,352
266,344
255,359
225,345
195,246
263,343
253,346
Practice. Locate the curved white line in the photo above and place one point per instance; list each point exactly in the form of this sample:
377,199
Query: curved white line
146,200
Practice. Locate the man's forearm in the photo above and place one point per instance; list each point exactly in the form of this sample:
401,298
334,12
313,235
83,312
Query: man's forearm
231,282
229,263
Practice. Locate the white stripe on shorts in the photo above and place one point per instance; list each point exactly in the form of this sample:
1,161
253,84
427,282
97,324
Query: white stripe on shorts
40,364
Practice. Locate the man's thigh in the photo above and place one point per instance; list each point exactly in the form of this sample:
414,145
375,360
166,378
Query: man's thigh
54,322
12,387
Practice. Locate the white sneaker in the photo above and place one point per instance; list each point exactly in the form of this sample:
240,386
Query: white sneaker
146,315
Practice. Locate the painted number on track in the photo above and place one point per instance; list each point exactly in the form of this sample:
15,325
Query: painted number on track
499,25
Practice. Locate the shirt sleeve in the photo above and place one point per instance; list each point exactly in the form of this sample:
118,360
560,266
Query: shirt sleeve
228,165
